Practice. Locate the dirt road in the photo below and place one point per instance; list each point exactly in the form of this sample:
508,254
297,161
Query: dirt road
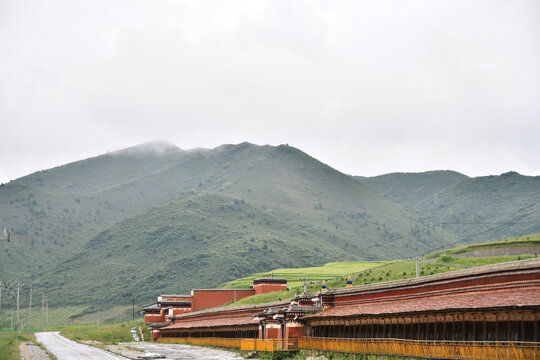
185,352
65,349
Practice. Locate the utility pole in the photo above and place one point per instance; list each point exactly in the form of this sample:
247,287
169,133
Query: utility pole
133,311
417,267
234,292
42,309
30,310
7,235
47,311
305,280
18,291
443,240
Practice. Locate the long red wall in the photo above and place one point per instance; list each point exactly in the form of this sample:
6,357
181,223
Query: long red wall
204,299
468,282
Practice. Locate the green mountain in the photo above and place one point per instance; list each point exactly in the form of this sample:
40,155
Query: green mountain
407,189
154,219
475,209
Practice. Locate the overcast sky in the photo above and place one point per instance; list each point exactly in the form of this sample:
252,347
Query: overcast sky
368,87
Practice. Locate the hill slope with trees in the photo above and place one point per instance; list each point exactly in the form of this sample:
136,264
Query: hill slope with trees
82,219
475,209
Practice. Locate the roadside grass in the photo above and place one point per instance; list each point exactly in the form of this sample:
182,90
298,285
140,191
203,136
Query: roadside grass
66,315
107,334
9,344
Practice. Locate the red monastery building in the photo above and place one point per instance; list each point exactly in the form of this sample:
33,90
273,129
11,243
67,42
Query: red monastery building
484,304
162,312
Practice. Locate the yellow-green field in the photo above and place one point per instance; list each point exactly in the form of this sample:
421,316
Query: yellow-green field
325,272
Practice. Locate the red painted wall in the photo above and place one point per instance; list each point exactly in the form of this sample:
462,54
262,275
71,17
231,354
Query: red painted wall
294,332
178,311
437,285
204,299
151,318
273,333
266,288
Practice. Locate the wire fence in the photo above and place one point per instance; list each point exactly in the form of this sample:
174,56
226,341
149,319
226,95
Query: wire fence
434,349
426,348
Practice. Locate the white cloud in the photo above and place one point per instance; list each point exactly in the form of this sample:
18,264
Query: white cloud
367,87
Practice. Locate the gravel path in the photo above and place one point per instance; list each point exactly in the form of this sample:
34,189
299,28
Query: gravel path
65,349
184,352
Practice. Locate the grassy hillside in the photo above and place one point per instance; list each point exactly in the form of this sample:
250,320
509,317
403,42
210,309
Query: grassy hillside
56,212
157,219
475,209
197,240
409,188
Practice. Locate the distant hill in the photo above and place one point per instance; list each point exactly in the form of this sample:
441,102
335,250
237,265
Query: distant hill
407,189
475,209
154,218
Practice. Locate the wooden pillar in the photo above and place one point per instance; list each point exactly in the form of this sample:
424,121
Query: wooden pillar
535,330
485,328
444,329
522,333
474,330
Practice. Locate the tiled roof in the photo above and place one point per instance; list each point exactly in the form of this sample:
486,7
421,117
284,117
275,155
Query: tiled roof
450,276
505,297
175,302
222,290
213,322
150,307
233,309
267,280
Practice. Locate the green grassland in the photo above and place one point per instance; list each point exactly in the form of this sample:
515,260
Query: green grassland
293,276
